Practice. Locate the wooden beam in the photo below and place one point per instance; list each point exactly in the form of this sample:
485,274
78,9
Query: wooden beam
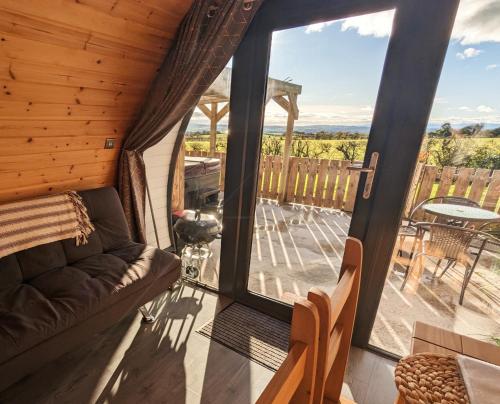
222,112
178,188
285,104
295,108
282,102
287,149
276,88
219,89
206,111
213,128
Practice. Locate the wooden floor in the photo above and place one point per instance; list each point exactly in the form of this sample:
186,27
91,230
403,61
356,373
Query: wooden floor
168,362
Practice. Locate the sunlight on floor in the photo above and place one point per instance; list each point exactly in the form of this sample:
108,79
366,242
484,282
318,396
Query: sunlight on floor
296,247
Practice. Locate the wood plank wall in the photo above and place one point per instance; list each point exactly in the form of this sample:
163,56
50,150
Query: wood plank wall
73,73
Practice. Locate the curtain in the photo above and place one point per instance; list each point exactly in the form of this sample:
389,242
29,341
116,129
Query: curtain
207,38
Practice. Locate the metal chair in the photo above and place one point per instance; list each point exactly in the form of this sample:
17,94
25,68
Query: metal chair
410,229
446,242
491,242
493,229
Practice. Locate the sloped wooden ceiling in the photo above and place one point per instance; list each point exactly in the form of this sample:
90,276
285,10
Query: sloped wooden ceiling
72,74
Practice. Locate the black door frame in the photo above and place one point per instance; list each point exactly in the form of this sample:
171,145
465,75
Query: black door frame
413,63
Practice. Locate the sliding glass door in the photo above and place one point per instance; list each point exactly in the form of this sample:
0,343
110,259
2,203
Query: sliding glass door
292,198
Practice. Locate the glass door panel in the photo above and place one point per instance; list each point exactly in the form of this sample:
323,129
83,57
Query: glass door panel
322,88
199,185
449,171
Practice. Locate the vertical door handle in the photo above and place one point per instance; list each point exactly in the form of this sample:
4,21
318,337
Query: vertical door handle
370,173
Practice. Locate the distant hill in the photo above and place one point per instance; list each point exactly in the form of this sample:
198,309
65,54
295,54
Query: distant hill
196,127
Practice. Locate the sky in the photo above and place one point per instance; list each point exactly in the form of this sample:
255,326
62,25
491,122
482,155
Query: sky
339,65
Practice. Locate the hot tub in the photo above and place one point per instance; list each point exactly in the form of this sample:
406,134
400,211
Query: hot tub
201,182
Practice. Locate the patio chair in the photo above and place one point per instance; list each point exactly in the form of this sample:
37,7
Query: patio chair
410,230
295,379
446,242
486,243
493,229
336,314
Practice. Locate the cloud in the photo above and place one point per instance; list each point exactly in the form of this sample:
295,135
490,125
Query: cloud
477,21
484,108
352,114
469,53
378,25
318,27
492,66
440,100
322,114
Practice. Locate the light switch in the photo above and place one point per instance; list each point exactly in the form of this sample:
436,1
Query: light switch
109,143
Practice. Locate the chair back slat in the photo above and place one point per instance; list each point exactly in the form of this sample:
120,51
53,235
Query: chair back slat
336,315
341,294
335,339
295,379
288,378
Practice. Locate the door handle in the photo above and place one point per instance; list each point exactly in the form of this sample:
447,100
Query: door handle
370,173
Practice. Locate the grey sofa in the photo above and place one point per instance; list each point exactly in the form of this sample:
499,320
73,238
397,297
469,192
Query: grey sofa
55,296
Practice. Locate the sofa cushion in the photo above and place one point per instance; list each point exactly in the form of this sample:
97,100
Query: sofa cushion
26,317
10,272
57,299
129,252
75,253
37,260
106,214
73,293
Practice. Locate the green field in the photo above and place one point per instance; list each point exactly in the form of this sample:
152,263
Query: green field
327,149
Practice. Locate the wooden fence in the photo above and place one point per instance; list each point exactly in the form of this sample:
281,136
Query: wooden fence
478,184
329,183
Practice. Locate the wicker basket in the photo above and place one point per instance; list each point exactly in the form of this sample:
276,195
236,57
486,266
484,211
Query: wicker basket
430,378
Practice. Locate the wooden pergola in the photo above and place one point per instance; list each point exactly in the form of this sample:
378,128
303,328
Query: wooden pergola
285,94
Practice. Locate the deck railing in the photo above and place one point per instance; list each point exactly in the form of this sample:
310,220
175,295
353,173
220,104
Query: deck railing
330,183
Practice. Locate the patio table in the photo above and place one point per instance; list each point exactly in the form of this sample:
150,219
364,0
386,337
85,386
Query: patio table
461,212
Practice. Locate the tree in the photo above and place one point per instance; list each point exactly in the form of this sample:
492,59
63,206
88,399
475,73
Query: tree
448,151
300,148
443,132
484,157
472,130
271,146
221,145
349,149
495,132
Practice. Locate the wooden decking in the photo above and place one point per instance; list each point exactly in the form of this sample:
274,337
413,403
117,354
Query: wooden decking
168,362
296,247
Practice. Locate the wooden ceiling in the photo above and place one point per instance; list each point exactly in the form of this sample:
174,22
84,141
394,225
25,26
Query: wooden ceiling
73,73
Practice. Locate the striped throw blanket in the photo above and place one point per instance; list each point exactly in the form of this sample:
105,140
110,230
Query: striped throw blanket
33,222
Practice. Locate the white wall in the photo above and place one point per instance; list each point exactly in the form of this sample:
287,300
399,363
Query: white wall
157,160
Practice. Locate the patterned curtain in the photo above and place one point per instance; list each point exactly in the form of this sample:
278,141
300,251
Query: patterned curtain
208,37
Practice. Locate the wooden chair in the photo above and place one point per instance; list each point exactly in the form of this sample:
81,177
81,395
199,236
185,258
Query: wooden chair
294,380
336,316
